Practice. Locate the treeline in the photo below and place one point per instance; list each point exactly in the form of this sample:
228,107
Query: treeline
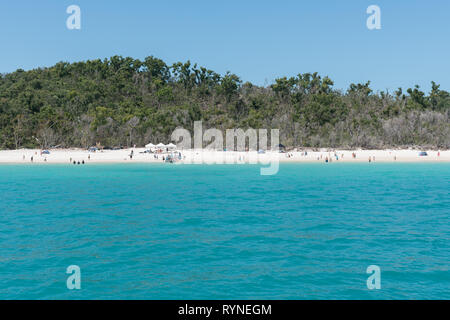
125,102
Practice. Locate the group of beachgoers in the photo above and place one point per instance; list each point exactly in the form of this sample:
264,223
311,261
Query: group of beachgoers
171,158
290,155
156,156
329,157
335,156
174,156
41,153
79,162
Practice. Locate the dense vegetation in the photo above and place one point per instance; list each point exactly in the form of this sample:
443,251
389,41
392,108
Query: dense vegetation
124,101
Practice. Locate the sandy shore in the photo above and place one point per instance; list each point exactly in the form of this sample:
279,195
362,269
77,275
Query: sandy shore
208,156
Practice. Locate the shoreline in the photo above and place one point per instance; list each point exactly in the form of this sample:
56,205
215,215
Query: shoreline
67,156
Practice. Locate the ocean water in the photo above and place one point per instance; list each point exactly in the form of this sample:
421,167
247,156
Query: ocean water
161,231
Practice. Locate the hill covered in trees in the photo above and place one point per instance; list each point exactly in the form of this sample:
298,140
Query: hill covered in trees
124,101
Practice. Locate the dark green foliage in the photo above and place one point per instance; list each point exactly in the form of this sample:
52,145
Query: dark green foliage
123,101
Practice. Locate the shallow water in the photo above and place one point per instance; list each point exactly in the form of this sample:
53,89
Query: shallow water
225,232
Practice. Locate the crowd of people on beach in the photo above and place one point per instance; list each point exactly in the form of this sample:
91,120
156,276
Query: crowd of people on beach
336,157
171,156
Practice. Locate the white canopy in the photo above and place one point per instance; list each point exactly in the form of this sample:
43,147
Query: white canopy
171,146
150,145
160,145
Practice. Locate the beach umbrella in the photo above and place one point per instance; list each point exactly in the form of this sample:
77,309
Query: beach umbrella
171,146
160,145
150,145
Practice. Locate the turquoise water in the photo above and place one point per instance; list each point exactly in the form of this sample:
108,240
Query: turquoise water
225,232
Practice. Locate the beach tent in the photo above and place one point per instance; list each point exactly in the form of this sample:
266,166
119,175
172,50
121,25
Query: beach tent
150,145
171,146
161,145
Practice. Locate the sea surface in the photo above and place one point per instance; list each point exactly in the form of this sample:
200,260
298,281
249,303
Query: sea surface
160,231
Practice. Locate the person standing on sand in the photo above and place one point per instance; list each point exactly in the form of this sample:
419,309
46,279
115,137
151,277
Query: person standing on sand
31,158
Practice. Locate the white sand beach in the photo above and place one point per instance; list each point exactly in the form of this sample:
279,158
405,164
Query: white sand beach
67,156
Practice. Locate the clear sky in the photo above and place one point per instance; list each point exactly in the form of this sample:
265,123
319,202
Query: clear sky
258,40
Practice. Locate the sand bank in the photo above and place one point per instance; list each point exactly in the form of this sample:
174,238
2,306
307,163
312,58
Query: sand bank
67,156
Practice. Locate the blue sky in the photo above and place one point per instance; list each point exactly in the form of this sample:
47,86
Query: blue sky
258,40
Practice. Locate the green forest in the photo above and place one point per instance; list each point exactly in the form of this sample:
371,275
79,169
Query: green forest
121,102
